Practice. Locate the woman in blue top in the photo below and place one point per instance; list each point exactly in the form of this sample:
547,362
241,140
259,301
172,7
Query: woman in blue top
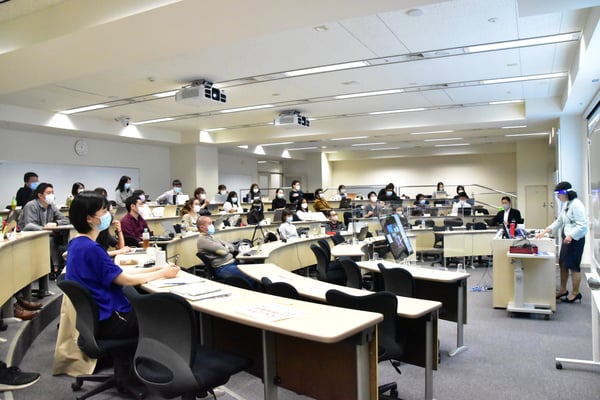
90,265
571,223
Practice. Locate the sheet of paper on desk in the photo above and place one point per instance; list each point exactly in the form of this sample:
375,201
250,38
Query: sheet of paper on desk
178,280
196,291
269,312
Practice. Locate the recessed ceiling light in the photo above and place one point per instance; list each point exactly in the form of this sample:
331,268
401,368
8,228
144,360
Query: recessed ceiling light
430,132
230,110
525,78
397,111
369,144
326,68
214,129
505,102
321,28
275,144
443,139
259,150
528,134
513,127
453,145
414,12
350,138
165,94
243,146
366,94
261,162
153,121
511,44
83,109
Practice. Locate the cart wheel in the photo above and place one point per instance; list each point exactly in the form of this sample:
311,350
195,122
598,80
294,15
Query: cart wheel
558,365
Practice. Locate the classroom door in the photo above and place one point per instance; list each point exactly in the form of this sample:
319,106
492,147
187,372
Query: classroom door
536,213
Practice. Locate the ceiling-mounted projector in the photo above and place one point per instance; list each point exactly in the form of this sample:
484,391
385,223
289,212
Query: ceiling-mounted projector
291,119
198,91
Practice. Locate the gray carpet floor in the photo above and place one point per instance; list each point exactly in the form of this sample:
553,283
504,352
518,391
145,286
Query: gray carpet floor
507,358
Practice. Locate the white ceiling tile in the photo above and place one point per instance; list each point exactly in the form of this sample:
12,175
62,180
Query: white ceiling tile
374,34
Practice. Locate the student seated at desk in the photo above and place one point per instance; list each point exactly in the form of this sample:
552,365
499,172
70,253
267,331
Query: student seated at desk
144,209
116,240
462,207
170,196
253,193
341,193
302,211
461,189
334,225
287,230
200,194
373,209
232,206
388,193
420,205
507,214
189,215
220,253
133,224
321,203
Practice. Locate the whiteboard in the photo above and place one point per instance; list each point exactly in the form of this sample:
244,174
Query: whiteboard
62,178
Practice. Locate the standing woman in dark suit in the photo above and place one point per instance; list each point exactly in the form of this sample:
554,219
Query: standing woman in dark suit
507,214
571,223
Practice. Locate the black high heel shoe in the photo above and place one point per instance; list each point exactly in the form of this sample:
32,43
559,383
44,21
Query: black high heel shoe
574,299
561,295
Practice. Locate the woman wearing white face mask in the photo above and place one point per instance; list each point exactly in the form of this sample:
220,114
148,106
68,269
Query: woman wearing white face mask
373,209
253,193
189,215
123,190
279,200
302,210
571,225
232,206
287,230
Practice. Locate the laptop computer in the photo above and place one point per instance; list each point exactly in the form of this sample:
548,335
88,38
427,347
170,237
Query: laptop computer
362,234
277,215
345,202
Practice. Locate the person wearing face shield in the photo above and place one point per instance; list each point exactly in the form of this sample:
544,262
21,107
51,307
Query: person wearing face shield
41,213
507,214
170,196
571,224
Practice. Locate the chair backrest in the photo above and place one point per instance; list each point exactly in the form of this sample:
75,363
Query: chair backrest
325,246
87,315
353,275
234,280
281,289
479,226
322,261
384,303
398,281
210,271
131,241
164,357
453,221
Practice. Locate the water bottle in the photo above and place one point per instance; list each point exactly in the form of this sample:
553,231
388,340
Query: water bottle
460,268
513,225
146,238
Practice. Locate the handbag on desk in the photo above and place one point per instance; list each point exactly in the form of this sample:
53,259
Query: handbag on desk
523,246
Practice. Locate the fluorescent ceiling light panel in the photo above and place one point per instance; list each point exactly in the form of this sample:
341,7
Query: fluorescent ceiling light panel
386,148
366,94
430,132
214,129
397,111
453,145
528,134
524,78
303,148
350,138
369,144
505,102
83,109
326,68
441,140
565,37
275,144
230,110
153,121
166,94
243,146
513,127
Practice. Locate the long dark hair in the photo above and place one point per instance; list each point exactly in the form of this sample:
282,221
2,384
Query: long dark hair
121,186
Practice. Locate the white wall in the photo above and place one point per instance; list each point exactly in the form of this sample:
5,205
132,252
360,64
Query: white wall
152,161
237,172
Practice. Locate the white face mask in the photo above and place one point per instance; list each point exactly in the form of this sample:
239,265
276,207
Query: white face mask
304,205
373,199
202,196
255,190
334,218
223,192
322,195
196,208
297,187
49,198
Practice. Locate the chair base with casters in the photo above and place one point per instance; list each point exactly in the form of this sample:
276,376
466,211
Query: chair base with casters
87,326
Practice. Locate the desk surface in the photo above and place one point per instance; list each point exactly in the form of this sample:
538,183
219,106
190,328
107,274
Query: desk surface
311,321
314,289
429,274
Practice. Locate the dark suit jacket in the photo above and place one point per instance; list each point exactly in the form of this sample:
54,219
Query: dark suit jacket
513,214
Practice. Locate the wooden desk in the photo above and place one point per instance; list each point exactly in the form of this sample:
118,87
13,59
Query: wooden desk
541,286
23,259
419,317
300,352
447,287
595,307
467,243
155,224
519,305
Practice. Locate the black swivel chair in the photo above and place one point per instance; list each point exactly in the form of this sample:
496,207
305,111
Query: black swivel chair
389,336
209,271
398,281
170,361
326,269
353,276
281,289
87,326
325,246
